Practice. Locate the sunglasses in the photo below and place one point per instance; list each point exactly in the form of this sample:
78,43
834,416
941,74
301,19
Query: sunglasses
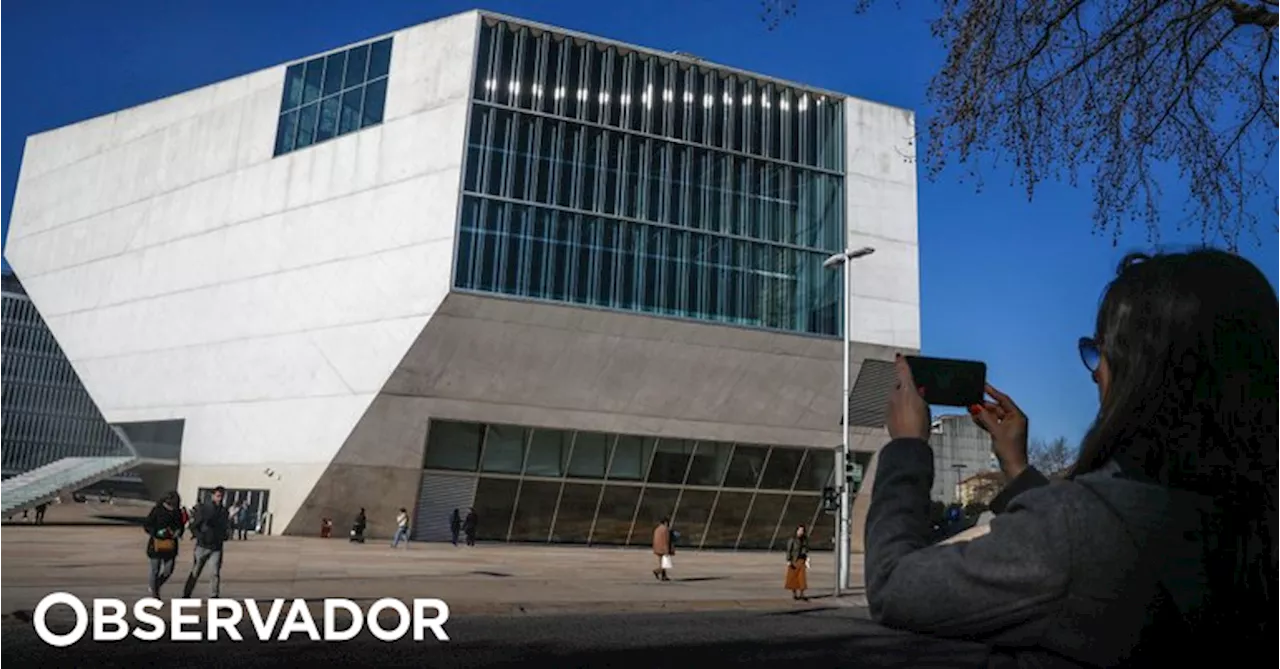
1090,353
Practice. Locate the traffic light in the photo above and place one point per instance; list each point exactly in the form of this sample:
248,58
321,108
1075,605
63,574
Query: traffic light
830,503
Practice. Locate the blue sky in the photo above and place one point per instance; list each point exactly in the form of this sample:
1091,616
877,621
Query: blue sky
1004,280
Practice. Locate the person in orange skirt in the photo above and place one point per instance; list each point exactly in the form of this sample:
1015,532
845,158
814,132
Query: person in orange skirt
797,580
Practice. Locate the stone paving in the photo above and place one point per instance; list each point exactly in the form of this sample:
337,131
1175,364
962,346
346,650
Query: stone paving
109,561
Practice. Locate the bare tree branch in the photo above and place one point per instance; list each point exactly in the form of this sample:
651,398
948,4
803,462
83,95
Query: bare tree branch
1125,93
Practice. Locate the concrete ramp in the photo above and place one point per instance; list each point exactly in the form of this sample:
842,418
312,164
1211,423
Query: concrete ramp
60,477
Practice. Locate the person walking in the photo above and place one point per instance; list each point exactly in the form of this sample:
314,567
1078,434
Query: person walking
211,528
402,529
469,526
358,527
163,527
662,549
242,521
40,510
797,578
455,525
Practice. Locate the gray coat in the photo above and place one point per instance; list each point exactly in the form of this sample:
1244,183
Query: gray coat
1089,572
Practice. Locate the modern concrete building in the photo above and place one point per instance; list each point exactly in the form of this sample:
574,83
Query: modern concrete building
961,450
573,283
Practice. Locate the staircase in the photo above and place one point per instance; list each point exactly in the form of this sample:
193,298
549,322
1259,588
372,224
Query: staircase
60,477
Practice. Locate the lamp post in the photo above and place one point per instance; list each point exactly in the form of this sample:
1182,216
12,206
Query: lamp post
843,260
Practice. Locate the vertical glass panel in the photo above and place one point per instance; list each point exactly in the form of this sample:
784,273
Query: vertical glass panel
350,114
577,509
710,459
504,449
670,461
726,522
307,125
691,516
375,96
452,445
746,466
312,80
822,536
656,504
816,470
495,499
534,512
590,455
631,458
782,468
548,453
799,511
333,70
357,62
328,126
293,84
617,508
379,59
763,520
285,131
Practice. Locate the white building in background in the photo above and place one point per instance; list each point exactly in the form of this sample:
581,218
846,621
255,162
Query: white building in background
573,283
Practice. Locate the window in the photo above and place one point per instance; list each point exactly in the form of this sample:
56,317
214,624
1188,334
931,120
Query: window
333,95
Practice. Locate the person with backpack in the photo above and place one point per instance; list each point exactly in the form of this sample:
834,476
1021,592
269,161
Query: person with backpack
163,527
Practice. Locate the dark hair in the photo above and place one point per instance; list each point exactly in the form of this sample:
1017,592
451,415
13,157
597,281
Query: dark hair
219,489
1190,342
172,498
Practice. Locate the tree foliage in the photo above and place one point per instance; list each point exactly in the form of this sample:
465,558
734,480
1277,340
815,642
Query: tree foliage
1112,90
1052,458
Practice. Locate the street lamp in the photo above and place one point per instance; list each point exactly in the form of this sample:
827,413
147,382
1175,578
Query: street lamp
844,259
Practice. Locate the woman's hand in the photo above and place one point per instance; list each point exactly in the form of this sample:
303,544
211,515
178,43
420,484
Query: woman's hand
1007,425
908,414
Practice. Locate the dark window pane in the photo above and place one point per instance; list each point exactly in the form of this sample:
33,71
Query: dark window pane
504,449
816,470
293,86
379,58
454,445
822,536
691,516
617,508
800,510
657,503
548,453
307,125
350,121
313,80
731,509
494,500
333,67
782,468
328,126
763,520
670,461
709,462
590,455
534,511
285,131
745,468
631,458
577,508
357,61
375,96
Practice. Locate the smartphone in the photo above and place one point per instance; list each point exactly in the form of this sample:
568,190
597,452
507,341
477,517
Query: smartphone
946,382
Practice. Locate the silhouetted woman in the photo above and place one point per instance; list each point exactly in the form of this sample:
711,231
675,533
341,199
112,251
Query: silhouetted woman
455,525
1159,547
163,527
469,526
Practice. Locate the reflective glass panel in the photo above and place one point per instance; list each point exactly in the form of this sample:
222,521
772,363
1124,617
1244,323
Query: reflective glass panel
334,95
710,459
656,504
726,520
691,516
534,511
577,508
800,511
631,458
670,461
617,509
815,473
548,452
495,498
504,449
590,455
763,520
453,445
746,466
781,470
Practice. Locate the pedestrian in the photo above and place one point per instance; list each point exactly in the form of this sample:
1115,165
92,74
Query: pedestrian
402,529
40,510
326,528
469,526
211,527
358,527
662,549
797,578
243,521
455,525
163,526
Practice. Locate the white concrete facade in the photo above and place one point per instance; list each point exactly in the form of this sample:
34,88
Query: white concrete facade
266,301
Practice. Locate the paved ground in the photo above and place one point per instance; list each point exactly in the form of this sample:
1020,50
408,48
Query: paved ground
108,561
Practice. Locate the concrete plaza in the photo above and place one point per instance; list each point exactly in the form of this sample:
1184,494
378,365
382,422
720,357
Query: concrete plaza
108,560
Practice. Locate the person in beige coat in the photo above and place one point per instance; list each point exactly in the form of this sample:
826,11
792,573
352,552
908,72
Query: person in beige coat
662,549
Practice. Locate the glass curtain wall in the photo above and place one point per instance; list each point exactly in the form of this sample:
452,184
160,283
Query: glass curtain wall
557,486
602,176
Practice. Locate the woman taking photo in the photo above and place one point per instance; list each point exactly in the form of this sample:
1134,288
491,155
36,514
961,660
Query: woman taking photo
163,526
1159,547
